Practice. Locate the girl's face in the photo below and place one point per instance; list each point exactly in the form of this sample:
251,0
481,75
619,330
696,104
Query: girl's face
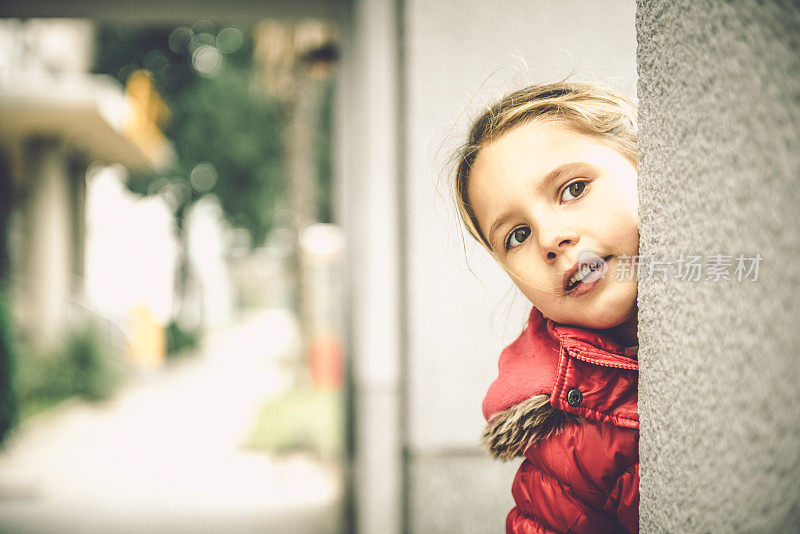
549,200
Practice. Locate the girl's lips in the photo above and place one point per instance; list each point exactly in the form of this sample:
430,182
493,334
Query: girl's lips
583,287
590,280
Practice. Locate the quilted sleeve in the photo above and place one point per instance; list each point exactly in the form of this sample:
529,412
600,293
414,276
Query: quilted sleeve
547,505
624,499
583,480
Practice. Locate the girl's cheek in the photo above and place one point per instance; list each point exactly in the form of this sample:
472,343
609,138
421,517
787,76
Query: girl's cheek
627,226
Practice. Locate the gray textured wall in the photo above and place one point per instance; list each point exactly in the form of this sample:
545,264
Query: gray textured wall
719,93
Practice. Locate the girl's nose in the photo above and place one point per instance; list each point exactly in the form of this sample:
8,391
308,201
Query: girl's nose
557,243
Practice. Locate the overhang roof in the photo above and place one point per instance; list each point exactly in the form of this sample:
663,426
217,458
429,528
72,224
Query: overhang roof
88,112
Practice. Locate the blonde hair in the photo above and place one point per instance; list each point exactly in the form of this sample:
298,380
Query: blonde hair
587,108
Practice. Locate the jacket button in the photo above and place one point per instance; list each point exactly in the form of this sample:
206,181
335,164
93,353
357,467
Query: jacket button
574,397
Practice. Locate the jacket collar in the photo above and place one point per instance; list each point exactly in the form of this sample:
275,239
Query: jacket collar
552,359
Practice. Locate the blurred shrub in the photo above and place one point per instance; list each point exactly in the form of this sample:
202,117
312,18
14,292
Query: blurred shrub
8,399
89,358
83,366
309,420
180,341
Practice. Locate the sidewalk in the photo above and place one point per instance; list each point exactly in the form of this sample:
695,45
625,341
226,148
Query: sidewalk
164,455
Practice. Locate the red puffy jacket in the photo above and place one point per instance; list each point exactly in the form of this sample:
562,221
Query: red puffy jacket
566,399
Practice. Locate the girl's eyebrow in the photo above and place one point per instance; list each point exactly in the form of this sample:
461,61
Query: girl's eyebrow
558,174
554,175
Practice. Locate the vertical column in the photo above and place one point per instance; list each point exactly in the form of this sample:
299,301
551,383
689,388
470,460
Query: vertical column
77,167
49,241
367,112
719,159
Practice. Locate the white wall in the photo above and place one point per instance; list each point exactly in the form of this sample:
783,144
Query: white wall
131,247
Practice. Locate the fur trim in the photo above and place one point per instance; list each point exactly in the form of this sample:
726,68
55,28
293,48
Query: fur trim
513,430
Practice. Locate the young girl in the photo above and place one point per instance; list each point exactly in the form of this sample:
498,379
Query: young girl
547,183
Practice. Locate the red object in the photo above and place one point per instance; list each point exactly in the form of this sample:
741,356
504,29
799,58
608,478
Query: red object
580,474
326,362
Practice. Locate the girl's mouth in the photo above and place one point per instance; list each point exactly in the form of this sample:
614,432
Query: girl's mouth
582,277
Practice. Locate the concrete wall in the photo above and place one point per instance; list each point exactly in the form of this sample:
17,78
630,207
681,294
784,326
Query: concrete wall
456,57
719,93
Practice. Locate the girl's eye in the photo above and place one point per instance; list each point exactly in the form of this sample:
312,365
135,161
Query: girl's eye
573,190
517,236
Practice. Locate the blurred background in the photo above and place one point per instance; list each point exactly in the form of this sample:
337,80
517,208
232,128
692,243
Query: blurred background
234,294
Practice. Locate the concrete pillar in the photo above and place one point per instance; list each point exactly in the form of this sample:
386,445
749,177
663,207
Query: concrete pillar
77,167
719,159
367,166
49,241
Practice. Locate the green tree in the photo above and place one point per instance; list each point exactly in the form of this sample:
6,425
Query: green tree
227,140
226,137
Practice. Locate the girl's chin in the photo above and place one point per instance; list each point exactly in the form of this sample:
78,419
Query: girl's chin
611,309
602,321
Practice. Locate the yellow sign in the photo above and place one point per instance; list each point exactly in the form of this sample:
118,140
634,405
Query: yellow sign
147,338
149,114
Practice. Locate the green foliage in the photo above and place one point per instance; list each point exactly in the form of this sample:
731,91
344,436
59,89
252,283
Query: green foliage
215,119
300,420
82,366
94,375
8,400
123,49
179,341
218,122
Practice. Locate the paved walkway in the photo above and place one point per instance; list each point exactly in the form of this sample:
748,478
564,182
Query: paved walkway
164,455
